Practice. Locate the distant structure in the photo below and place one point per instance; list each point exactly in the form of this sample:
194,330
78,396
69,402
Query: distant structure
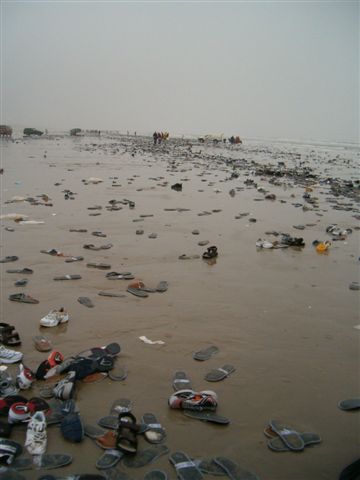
5,131
32,131
75,131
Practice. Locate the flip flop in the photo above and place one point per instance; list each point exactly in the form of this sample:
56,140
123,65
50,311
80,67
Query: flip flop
349,404
122,405
111,349
49,461
155,433
92,431
21,283
111,294
290,437
156,475
219,373
144,457
109,459
22,463
277,445
137,292
234,471
74,259
101,266
42,344
118,374
109,421
86,302
185,468
68,277
181,381
24,271
351,472
22,298
207,417
162,286
206,353
11,258
107,441
208,466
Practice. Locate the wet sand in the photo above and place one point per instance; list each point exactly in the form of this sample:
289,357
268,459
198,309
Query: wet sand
284,318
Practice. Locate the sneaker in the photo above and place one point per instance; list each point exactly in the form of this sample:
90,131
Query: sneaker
190,400
25,377
55,358
54,318
36,437
65,388
7,386
9,450
9,356
19,412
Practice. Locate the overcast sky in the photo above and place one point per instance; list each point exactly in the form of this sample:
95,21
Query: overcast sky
254,69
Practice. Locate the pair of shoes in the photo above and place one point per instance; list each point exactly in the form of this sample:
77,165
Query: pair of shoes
9,356
65,388
25,377
210,253
284,438
36,436
190,400
54,318
8,335
55,358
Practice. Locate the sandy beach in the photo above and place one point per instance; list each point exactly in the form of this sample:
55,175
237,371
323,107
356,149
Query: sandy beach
284,318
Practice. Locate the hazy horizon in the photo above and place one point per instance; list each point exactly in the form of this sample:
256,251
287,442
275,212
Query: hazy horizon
266,70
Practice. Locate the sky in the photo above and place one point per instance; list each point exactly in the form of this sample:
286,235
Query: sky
286,70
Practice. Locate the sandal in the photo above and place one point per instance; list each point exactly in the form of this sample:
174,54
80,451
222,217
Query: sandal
8,335
126,440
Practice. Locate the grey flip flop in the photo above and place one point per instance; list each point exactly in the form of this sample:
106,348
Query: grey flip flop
185,468
100,266
92,431
181,381
68,277
206,353
207,417
117,374
349,404
162,286
109,421
156,475
111,294
155,433
277,445
49,461
137,292
86,302
234,471
208,466
109,459
218,374
144,457
290,437
122,405
22,463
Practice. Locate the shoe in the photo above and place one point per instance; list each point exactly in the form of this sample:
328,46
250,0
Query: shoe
19,412
55,358
25,377
72,427
210,253
65,388
54,318
190,400
7,385
9,450
36,437
9,356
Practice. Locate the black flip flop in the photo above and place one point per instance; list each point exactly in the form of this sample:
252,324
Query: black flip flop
155,433
349,404
137,292
181,381
109,459
207,417
289,436
22,298
218,374
185,468
144,457
86,301
156,475
277,445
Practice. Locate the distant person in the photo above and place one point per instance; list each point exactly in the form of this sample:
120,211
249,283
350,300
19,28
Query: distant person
155,137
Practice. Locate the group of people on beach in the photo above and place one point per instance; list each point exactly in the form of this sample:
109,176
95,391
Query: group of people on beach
160,137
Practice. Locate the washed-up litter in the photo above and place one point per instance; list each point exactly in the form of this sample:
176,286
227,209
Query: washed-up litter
151,342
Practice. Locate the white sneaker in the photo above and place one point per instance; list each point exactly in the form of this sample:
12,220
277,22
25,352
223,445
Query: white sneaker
54,317
36,437
9,356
